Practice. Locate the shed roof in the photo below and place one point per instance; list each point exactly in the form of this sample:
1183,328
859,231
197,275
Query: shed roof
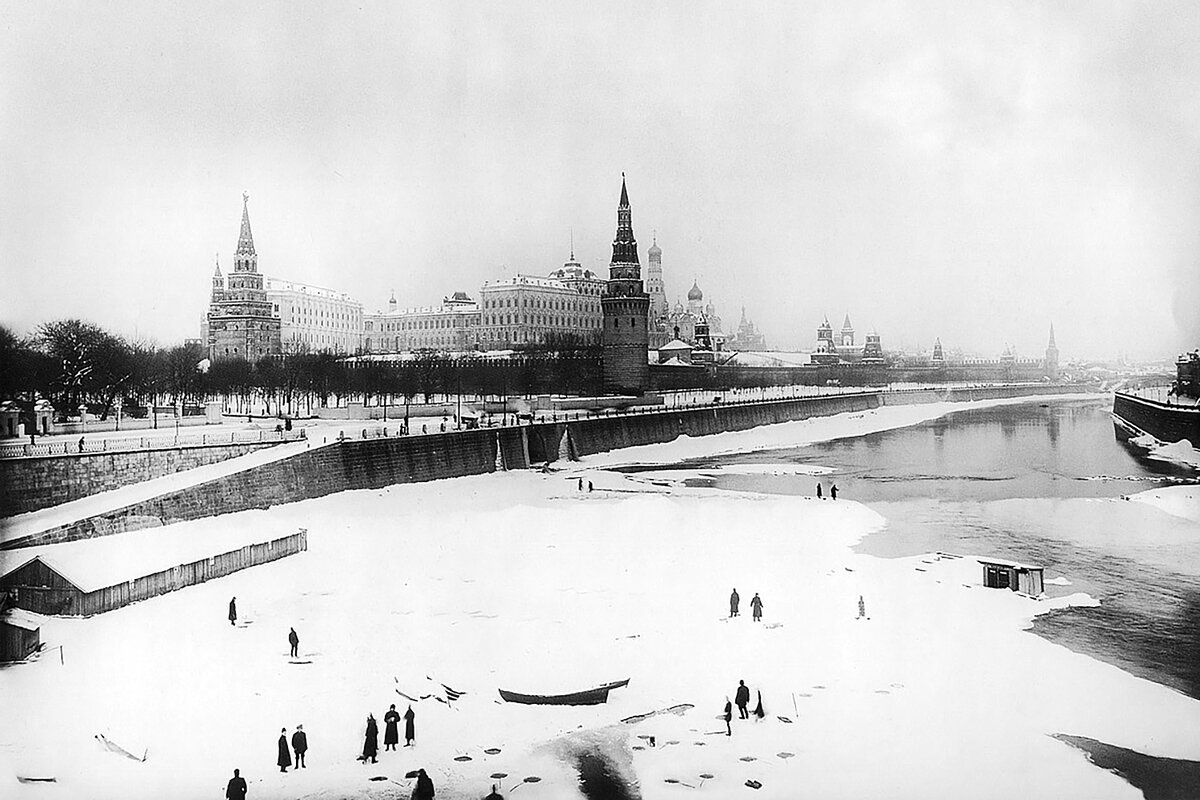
19,618
1003,562
93,564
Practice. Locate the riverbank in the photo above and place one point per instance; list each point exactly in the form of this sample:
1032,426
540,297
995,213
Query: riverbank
521,581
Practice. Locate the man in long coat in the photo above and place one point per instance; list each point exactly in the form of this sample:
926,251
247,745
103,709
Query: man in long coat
300,745
424,788
236,788
294,641
410,728
756,607
391,734
371,743
285,755
742,698
734,599
233,611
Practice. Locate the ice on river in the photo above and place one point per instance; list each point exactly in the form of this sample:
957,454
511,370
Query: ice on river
520,581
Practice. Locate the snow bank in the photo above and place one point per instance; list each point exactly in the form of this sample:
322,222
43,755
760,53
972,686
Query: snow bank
521,581
1178,501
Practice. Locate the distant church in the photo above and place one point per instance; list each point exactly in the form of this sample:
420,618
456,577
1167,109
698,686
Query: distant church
241,323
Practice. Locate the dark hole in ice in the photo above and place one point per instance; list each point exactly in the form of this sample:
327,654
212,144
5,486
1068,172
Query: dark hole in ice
599,779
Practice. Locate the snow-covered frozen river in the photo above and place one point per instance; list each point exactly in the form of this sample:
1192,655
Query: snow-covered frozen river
521,581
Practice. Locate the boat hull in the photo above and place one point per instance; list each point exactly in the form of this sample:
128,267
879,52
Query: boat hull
588,697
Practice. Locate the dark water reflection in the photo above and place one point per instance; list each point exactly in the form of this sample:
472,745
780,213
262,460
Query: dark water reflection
1038,483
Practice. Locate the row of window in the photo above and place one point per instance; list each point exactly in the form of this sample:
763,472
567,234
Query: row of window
549,305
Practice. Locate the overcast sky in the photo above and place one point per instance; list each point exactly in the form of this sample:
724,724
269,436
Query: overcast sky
964,170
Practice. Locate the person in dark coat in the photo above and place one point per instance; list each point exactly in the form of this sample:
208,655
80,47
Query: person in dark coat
285,755
818,491
391,735
734,599
742,698
300,745
236,788
294,641
233,611
756,607
728,716
424,788
371,743
833,491
495,795
410,728
758,710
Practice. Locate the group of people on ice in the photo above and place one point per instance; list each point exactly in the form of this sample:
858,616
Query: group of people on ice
742,699
756,605
832,491
391,733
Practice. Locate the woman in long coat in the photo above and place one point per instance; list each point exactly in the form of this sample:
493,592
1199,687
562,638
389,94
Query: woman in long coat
410,728
391,735
371,743
285,755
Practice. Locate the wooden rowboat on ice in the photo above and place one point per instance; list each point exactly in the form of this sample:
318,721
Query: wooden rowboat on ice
588,697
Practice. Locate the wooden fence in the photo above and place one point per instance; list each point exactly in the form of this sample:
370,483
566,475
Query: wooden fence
73,602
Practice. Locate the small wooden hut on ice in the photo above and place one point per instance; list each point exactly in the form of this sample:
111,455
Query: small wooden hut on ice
999,574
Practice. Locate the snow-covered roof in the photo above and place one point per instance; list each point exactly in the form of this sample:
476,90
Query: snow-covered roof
675,344
93,564
1004,562
20,618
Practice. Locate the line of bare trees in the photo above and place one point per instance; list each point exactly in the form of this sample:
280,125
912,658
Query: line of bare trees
72,362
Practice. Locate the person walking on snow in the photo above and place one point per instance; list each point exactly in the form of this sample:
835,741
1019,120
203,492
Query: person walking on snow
300,745
232,611
742,698
818,490
733,603
424,788
236,788
371,742
833,491
285,755
862,608
391,734
758,710
756,607
580,485
728,716
294,640
410,728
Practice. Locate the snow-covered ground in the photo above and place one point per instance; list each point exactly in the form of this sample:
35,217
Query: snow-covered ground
519,581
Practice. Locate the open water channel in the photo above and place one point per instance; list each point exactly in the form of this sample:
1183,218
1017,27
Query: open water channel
1036,483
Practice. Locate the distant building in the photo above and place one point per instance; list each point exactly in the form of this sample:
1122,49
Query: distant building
696,313
313,319
527,309
655,287
241,323
454,325
747,336
626,312
1052,357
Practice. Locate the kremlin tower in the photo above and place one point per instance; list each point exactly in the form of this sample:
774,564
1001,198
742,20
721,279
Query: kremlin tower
626,310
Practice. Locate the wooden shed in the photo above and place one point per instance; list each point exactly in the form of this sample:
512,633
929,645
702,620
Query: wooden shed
1023,578
92,586
20,635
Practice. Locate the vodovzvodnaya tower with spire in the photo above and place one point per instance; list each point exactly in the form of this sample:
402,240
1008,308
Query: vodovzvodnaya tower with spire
625,307
240,319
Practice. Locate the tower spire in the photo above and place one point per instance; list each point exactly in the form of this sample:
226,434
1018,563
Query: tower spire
245,244
624,245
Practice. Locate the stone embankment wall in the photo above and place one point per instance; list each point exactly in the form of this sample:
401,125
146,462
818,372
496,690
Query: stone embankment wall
375,463
37,482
